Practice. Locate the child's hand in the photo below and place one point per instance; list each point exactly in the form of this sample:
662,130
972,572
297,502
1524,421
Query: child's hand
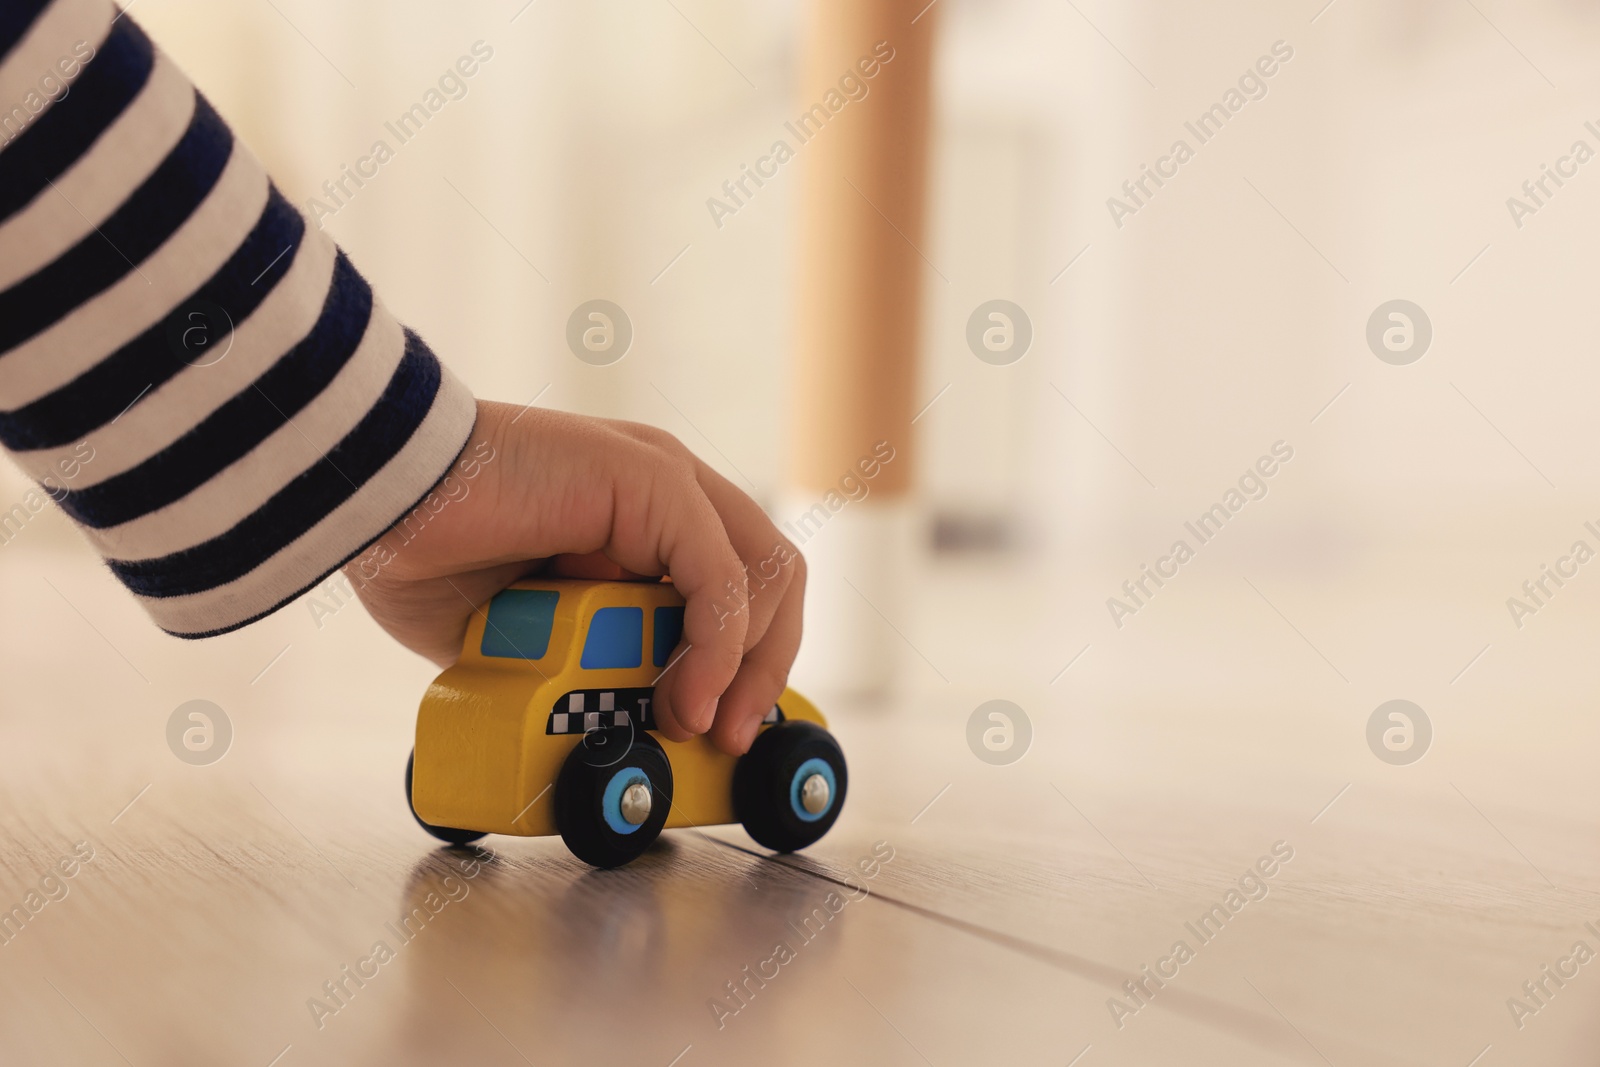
543,491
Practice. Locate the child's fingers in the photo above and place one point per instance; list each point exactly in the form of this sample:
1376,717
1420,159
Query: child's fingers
589,565
767,555
764,672
775,574
743,607
662,516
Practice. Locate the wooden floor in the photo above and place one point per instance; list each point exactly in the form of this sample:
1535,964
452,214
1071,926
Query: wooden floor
1016,903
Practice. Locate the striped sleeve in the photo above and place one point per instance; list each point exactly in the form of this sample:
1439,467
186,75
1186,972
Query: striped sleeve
200,379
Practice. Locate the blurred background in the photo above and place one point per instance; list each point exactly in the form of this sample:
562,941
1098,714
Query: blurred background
1172,346
1167,354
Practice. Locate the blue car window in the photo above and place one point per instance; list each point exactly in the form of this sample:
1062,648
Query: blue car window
669,628
616,639
519,624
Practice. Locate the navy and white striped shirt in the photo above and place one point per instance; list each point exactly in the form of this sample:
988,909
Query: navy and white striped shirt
198,377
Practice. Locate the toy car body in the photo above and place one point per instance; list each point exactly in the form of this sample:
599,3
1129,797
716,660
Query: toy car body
546,725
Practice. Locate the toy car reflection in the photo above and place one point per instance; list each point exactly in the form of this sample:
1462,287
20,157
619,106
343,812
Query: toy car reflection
545,725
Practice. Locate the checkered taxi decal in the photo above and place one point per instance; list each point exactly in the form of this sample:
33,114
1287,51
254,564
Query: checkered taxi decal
596,709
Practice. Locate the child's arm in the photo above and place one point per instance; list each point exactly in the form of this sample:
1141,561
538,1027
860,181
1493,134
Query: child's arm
209,388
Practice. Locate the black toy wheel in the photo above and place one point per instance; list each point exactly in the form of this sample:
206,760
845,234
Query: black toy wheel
443,833
613,796
788,789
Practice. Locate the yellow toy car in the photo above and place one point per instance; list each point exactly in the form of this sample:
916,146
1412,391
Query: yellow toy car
545,726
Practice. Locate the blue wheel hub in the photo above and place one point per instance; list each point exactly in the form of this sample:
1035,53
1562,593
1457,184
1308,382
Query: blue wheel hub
611,800
797,783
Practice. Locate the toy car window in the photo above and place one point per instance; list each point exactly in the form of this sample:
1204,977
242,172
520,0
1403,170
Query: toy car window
519,624
669,629
616,639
